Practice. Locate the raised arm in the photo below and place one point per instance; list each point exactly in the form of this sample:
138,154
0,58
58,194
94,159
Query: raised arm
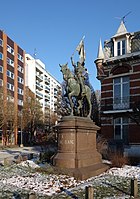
73,62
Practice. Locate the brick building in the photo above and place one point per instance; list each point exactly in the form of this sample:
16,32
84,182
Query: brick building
118,69
12,59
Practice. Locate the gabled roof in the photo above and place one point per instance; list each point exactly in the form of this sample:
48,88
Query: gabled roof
121,30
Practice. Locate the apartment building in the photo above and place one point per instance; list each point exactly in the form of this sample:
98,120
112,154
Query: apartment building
118,69
40,82
13,80
12,71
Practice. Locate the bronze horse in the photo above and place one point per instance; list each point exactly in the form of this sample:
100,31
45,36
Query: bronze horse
73,89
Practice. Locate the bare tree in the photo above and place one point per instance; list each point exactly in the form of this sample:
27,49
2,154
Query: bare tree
7,116
134,115
32,113
51,119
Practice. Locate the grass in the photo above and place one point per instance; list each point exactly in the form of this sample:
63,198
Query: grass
112,186
104,186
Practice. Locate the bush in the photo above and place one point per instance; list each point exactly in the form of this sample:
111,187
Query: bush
46,156
118,159
102,146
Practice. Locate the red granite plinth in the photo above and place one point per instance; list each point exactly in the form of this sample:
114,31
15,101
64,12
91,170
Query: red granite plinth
77,152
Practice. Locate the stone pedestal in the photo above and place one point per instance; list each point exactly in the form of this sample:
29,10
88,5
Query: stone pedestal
77,153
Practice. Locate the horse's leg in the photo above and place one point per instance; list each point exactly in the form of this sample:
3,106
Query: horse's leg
88,96
71,103
79,106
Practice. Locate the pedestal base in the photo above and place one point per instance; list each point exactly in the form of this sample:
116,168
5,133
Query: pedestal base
87,172
77,153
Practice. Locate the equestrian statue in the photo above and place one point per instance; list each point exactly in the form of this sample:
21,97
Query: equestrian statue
75,83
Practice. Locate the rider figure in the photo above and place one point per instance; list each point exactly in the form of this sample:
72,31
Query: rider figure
79,71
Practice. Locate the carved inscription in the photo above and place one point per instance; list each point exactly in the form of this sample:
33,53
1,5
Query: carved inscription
66,141
63,140
69,141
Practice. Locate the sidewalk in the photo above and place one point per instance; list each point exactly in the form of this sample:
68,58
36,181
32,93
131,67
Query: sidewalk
14,152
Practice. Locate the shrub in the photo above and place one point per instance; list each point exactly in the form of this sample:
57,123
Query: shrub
46,156
102,146
118,159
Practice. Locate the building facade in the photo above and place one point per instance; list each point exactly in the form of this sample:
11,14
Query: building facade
43,84
12,58
118,69
18,70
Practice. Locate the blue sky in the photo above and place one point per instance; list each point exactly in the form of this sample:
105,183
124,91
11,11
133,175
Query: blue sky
55,27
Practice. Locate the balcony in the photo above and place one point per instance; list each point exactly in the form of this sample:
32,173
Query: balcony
121,103
39,95
39,77
47,80
47,89
47,97
116,104
39,86
47,104
55,94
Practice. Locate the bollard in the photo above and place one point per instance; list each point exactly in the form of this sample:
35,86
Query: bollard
89,192
41,156
134,187
30,156
16,195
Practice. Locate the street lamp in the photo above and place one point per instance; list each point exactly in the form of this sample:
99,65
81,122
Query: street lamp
21,135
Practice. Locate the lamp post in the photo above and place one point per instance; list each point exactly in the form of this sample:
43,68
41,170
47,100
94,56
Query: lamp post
21,135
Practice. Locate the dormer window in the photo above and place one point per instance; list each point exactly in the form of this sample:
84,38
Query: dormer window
121,47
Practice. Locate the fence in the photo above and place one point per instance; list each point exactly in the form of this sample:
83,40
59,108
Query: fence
89,190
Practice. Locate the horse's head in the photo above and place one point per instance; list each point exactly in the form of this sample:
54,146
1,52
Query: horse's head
65,70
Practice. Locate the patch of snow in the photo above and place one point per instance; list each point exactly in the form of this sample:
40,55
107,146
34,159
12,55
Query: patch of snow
29,163
126,171
51,183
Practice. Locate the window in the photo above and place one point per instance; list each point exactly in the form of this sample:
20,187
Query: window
10,61
20,57
1,42
20,68
20,102
1,82
10,98
121,129
20,80
1,69
10,74
1,56
10,49
121,93
20,91
10,86
121,47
